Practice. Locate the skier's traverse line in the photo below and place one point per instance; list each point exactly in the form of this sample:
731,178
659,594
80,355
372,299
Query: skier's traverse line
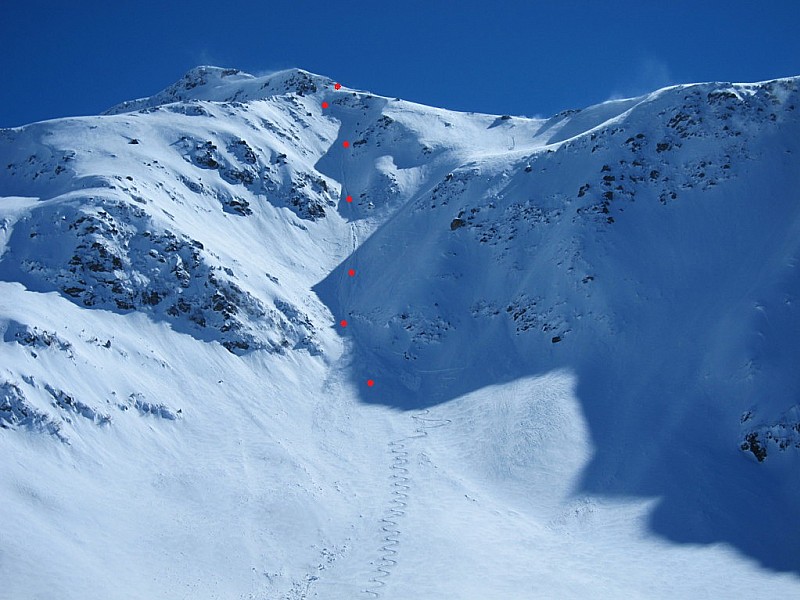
401,488
399,469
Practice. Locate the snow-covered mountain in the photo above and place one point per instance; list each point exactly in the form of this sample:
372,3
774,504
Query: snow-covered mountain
582,333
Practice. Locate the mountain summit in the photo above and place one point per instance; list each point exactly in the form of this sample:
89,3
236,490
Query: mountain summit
580,333
216,84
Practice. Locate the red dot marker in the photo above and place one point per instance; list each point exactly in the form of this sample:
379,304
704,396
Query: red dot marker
351,272
324,105
349,198
343,323
346,144
370,382
337,86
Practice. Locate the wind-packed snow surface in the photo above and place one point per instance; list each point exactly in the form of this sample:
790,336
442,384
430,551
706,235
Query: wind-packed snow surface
583,333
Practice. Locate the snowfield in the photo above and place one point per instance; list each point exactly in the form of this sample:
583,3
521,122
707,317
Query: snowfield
583,332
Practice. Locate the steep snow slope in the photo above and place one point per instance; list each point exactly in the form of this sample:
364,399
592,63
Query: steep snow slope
651,257
598,311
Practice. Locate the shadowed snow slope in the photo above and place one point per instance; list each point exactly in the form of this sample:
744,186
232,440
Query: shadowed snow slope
583,332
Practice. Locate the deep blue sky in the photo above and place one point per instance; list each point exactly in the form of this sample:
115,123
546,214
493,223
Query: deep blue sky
522,57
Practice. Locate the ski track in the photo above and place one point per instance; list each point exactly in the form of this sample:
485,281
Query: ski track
401,488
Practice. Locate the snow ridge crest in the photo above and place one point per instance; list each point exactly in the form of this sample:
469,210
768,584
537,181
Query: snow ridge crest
218,84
